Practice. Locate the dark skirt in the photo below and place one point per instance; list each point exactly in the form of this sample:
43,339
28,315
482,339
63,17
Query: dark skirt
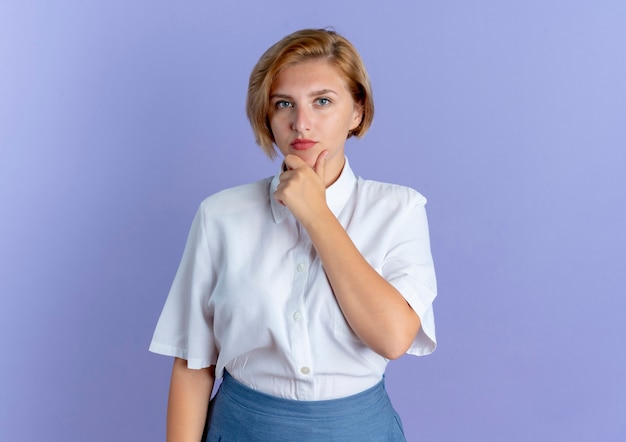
239,413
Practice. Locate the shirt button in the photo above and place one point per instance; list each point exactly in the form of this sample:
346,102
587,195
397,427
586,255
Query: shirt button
297,316
305,370
301,267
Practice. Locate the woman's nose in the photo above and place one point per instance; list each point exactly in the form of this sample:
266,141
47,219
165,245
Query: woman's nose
301,120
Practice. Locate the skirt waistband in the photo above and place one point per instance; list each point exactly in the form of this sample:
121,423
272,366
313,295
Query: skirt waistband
259,402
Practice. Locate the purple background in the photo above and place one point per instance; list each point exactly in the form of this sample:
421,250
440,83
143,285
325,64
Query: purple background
117,118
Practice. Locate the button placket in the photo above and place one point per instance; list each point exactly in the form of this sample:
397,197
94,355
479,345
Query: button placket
301,353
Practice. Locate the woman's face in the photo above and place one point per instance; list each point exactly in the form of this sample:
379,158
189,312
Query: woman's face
312,110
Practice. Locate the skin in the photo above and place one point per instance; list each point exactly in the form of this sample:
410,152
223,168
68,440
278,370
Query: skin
311,101
188,402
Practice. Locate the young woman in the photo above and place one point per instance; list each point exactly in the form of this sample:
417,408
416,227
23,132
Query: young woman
298,289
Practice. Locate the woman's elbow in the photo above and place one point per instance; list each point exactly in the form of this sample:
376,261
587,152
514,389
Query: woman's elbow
396,347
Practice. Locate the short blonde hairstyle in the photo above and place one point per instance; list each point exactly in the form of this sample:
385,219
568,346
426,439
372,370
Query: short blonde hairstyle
301,46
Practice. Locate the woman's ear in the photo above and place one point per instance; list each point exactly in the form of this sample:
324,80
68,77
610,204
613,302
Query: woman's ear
357,116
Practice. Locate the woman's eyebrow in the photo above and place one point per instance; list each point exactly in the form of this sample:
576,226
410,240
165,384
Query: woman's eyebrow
279,95
311,94
323,92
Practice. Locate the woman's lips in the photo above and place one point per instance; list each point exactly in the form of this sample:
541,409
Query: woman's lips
303,144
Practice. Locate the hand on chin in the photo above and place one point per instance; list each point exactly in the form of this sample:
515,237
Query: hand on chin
308,156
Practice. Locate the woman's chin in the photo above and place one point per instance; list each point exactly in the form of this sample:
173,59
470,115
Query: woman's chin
308,156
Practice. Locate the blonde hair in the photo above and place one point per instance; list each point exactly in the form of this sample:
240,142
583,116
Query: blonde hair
300,46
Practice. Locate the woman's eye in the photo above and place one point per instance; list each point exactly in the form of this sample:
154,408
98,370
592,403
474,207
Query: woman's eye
282,104
323,101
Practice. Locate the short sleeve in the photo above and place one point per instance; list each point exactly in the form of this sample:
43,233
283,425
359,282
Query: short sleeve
409,267
185,327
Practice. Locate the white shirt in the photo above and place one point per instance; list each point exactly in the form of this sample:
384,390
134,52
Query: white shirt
251,295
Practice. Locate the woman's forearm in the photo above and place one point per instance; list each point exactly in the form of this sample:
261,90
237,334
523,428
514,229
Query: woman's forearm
190,391
375,310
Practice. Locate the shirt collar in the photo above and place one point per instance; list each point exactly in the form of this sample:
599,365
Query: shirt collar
337,194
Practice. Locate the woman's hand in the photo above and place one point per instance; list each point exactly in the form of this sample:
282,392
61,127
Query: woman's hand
302,188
